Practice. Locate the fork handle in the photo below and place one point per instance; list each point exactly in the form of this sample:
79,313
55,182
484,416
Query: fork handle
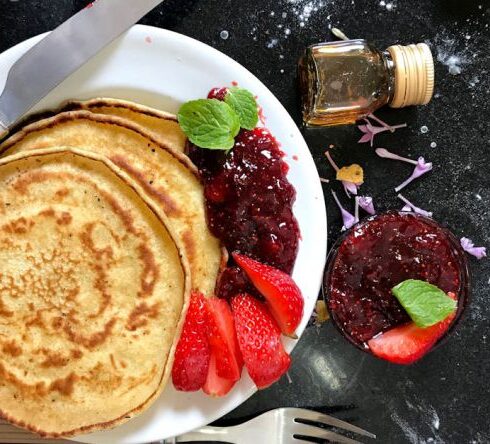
208,433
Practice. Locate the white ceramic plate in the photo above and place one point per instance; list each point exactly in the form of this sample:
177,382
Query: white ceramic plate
162,69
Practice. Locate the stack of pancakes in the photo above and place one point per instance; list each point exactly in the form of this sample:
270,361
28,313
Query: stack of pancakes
103,235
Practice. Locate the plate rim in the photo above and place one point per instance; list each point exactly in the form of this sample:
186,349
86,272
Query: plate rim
20,48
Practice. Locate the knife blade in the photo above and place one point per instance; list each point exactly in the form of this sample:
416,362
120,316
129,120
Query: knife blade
63,51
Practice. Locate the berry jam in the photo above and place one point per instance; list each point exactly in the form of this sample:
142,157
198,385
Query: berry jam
249,203
378,254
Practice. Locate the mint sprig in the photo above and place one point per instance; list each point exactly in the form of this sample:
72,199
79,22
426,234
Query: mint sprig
209,123
213,124
425,303
243,103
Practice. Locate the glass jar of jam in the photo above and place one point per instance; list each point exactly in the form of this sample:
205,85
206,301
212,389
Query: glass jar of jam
378,253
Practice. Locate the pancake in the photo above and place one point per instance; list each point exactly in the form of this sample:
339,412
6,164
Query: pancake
93,292
162,126
167,175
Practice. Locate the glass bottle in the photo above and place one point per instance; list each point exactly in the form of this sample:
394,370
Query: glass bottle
342,82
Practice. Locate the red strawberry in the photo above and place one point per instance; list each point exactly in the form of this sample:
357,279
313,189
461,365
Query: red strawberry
216,385
259,338
408,343
283,296
223,341
192,353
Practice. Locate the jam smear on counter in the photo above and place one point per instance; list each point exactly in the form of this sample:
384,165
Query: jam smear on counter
379,254
249,203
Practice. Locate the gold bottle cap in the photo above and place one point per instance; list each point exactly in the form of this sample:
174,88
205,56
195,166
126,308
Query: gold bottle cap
414,75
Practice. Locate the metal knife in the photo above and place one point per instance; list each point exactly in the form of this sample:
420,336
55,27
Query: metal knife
63,51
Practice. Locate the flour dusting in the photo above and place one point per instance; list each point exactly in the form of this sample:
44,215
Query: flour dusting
291,16
453,51
388,5
407,430
419,422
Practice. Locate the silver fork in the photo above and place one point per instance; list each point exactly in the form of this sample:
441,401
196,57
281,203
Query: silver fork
279,426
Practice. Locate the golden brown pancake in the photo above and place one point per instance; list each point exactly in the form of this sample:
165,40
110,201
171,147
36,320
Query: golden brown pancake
162,126
93,291
167,175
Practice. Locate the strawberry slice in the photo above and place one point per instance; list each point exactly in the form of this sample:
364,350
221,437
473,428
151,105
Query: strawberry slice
223,341
216,385
283,296
259,338
192,354
408,343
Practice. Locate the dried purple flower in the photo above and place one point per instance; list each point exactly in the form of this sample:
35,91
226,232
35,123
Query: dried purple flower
413,207
349,187
347,218
383,152
370,130
366,203
421,168
468,246
356,209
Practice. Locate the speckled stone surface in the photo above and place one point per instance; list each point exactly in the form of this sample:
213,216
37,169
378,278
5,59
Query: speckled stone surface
445,398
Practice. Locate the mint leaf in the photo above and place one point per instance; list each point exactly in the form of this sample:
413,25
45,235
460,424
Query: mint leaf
209,123
425,303
243,103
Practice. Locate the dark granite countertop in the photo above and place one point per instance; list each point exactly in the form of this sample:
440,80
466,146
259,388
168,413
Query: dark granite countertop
445,398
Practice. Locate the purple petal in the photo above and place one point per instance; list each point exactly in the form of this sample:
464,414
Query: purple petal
363,128
329,157
365,138
420,169
468,246
350,187
377,119
406,208
366,203
383,152
391,128
413,207
377,129
347,218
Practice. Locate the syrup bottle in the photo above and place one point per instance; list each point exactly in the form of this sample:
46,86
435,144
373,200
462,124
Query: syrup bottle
342,82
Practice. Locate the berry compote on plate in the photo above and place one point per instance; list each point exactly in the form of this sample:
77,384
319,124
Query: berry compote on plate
249,202
376,255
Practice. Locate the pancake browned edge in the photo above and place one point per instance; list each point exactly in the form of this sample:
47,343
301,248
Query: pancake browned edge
167,175
161,125
74,226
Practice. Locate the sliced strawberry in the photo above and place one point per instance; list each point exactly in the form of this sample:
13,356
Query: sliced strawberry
283,296
216,385
223,341
259,338
192,354
408,343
